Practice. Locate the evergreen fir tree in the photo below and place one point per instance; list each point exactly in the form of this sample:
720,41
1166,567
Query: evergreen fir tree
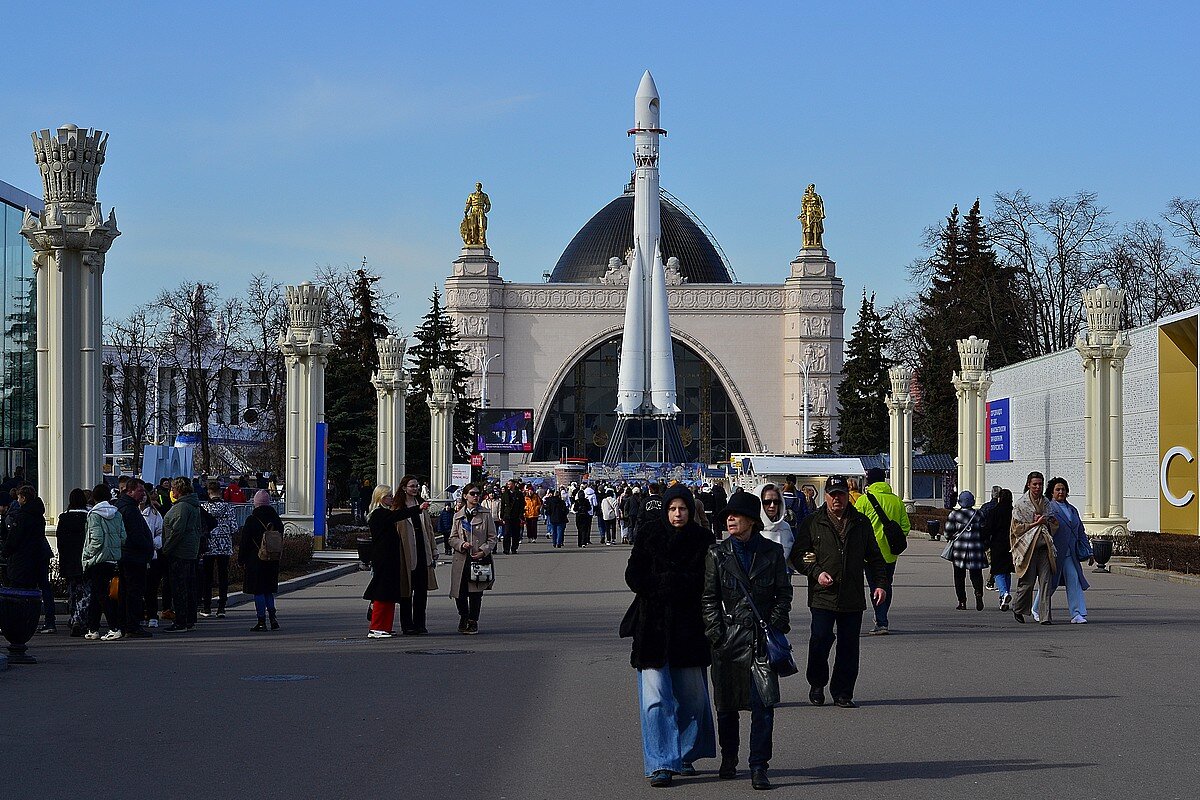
436,346
862,394
819,443
993,293
945,316
350,407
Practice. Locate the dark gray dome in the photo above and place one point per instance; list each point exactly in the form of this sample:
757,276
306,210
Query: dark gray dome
609,234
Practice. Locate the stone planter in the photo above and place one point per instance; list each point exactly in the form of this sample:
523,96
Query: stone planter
20,611
1102,550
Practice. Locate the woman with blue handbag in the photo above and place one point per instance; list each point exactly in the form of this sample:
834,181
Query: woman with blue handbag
747,596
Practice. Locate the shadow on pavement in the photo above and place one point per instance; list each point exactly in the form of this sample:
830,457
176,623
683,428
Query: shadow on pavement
913,770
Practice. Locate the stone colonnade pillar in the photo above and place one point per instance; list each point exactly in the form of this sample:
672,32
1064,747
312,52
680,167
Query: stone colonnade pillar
441,430
971,386
305,347
900,444
1103,350
69,240
390,388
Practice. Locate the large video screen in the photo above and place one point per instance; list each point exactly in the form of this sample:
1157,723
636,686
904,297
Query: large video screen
504,430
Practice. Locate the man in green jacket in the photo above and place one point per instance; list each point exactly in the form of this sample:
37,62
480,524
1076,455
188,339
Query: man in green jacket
834,547
181,548
893,508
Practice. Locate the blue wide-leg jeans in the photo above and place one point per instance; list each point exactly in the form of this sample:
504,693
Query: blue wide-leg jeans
677,719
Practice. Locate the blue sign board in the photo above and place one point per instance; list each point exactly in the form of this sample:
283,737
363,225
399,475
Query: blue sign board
998,429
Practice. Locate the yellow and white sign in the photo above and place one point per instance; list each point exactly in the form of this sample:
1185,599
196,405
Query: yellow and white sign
1178,427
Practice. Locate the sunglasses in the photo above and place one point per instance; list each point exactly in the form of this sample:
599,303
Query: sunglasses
472,494
771,502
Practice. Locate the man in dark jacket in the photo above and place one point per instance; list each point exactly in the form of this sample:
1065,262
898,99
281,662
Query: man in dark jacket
181,545
834,546
136,554
652,505
28,551
512,512
744,558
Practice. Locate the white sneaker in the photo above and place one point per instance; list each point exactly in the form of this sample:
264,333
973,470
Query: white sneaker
1005,601
1078,620
153,623
111,636
1036,618
93,635
379,635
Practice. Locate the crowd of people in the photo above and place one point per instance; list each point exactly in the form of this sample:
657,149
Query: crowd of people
137,555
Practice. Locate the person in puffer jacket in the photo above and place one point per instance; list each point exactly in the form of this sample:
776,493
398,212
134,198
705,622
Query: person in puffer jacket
101,555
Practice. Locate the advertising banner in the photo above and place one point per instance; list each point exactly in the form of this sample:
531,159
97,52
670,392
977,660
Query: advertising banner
998,429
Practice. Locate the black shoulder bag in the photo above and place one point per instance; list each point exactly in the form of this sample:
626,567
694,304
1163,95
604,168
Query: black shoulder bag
779,650
897,541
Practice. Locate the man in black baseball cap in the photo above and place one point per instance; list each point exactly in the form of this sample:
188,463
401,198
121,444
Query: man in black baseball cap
834,547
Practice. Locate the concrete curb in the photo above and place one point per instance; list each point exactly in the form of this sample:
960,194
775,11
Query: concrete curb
295,584
1156,574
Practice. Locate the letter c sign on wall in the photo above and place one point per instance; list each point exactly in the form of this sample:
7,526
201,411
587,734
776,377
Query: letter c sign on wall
1165,467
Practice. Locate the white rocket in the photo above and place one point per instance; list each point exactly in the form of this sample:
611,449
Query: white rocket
646,378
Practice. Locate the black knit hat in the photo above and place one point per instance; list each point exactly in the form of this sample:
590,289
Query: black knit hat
745,503
682,492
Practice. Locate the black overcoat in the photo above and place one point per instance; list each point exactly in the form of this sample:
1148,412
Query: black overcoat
26,548
70,534
261,577
997,520
391,579
666,569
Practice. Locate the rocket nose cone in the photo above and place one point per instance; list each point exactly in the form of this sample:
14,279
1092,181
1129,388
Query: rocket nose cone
647,88
645,104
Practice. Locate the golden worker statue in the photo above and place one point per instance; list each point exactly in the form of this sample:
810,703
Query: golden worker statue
812,216
474,225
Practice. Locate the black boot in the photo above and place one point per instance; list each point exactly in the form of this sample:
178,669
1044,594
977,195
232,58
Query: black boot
979,602
274,622
462,624
261,626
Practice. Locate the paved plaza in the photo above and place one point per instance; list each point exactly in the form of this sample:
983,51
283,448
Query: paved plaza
542,704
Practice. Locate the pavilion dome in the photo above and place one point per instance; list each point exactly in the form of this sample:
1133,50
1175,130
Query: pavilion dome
609,234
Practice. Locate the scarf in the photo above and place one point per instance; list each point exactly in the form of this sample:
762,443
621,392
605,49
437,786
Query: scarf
1025,542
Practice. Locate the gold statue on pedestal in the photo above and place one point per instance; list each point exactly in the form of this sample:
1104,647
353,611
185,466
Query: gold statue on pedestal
474,225
812,216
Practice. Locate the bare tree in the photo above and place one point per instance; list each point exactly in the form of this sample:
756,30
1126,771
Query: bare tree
197,345
1183,215
264,320
1057,248
903,347
133,374
1158,278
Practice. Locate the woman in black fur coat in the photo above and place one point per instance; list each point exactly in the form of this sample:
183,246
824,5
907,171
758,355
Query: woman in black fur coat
670,651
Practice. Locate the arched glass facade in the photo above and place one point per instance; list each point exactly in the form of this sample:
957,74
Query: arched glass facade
581,418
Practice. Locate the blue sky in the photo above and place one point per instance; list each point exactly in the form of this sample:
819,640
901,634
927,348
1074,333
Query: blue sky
278,137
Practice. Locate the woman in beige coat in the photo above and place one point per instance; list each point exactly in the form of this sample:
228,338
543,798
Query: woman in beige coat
473,539
416,541
1032,540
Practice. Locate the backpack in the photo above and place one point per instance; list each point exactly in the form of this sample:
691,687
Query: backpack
271,546
897,541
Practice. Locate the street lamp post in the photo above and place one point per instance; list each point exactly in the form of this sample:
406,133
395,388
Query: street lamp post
484,362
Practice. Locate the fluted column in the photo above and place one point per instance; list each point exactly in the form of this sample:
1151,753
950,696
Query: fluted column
900,410
1103,349
69,240
442,403
305,347
390,387
971,385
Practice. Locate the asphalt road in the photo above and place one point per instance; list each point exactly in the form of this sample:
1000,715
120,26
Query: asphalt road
542,704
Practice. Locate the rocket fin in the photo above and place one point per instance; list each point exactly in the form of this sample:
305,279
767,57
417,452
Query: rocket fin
631,373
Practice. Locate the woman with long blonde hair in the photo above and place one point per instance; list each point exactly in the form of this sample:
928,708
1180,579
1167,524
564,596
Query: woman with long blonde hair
391,579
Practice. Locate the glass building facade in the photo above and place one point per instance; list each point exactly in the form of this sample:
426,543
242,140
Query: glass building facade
18,335
582,415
